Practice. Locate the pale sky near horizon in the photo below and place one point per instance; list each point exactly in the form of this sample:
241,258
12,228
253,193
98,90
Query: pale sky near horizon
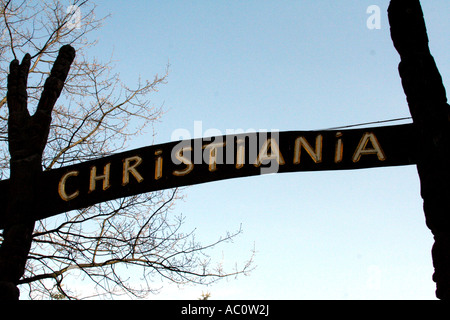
286,65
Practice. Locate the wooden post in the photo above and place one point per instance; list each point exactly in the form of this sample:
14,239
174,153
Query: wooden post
427,102
27,137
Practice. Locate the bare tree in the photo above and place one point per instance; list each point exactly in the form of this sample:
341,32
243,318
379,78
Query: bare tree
110,243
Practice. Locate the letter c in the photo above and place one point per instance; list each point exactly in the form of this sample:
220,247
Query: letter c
62,186
234,309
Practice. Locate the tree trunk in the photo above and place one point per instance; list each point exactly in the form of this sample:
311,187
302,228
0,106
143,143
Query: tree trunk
427,102
27,137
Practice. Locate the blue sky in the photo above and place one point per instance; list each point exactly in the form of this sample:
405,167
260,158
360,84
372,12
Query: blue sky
286,65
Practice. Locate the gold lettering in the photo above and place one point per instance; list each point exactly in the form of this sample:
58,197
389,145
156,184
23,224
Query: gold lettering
62,186
189,166
158,164
213,154
94,178
274,153
363,150
339,148
316,155
240,153
127,169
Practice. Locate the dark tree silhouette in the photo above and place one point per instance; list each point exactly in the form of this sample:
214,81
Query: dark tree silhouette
27,137
427,102
95,115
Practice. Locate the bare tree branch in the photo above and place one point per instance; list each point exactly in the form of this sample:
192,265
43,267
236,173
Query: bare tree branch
110,244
